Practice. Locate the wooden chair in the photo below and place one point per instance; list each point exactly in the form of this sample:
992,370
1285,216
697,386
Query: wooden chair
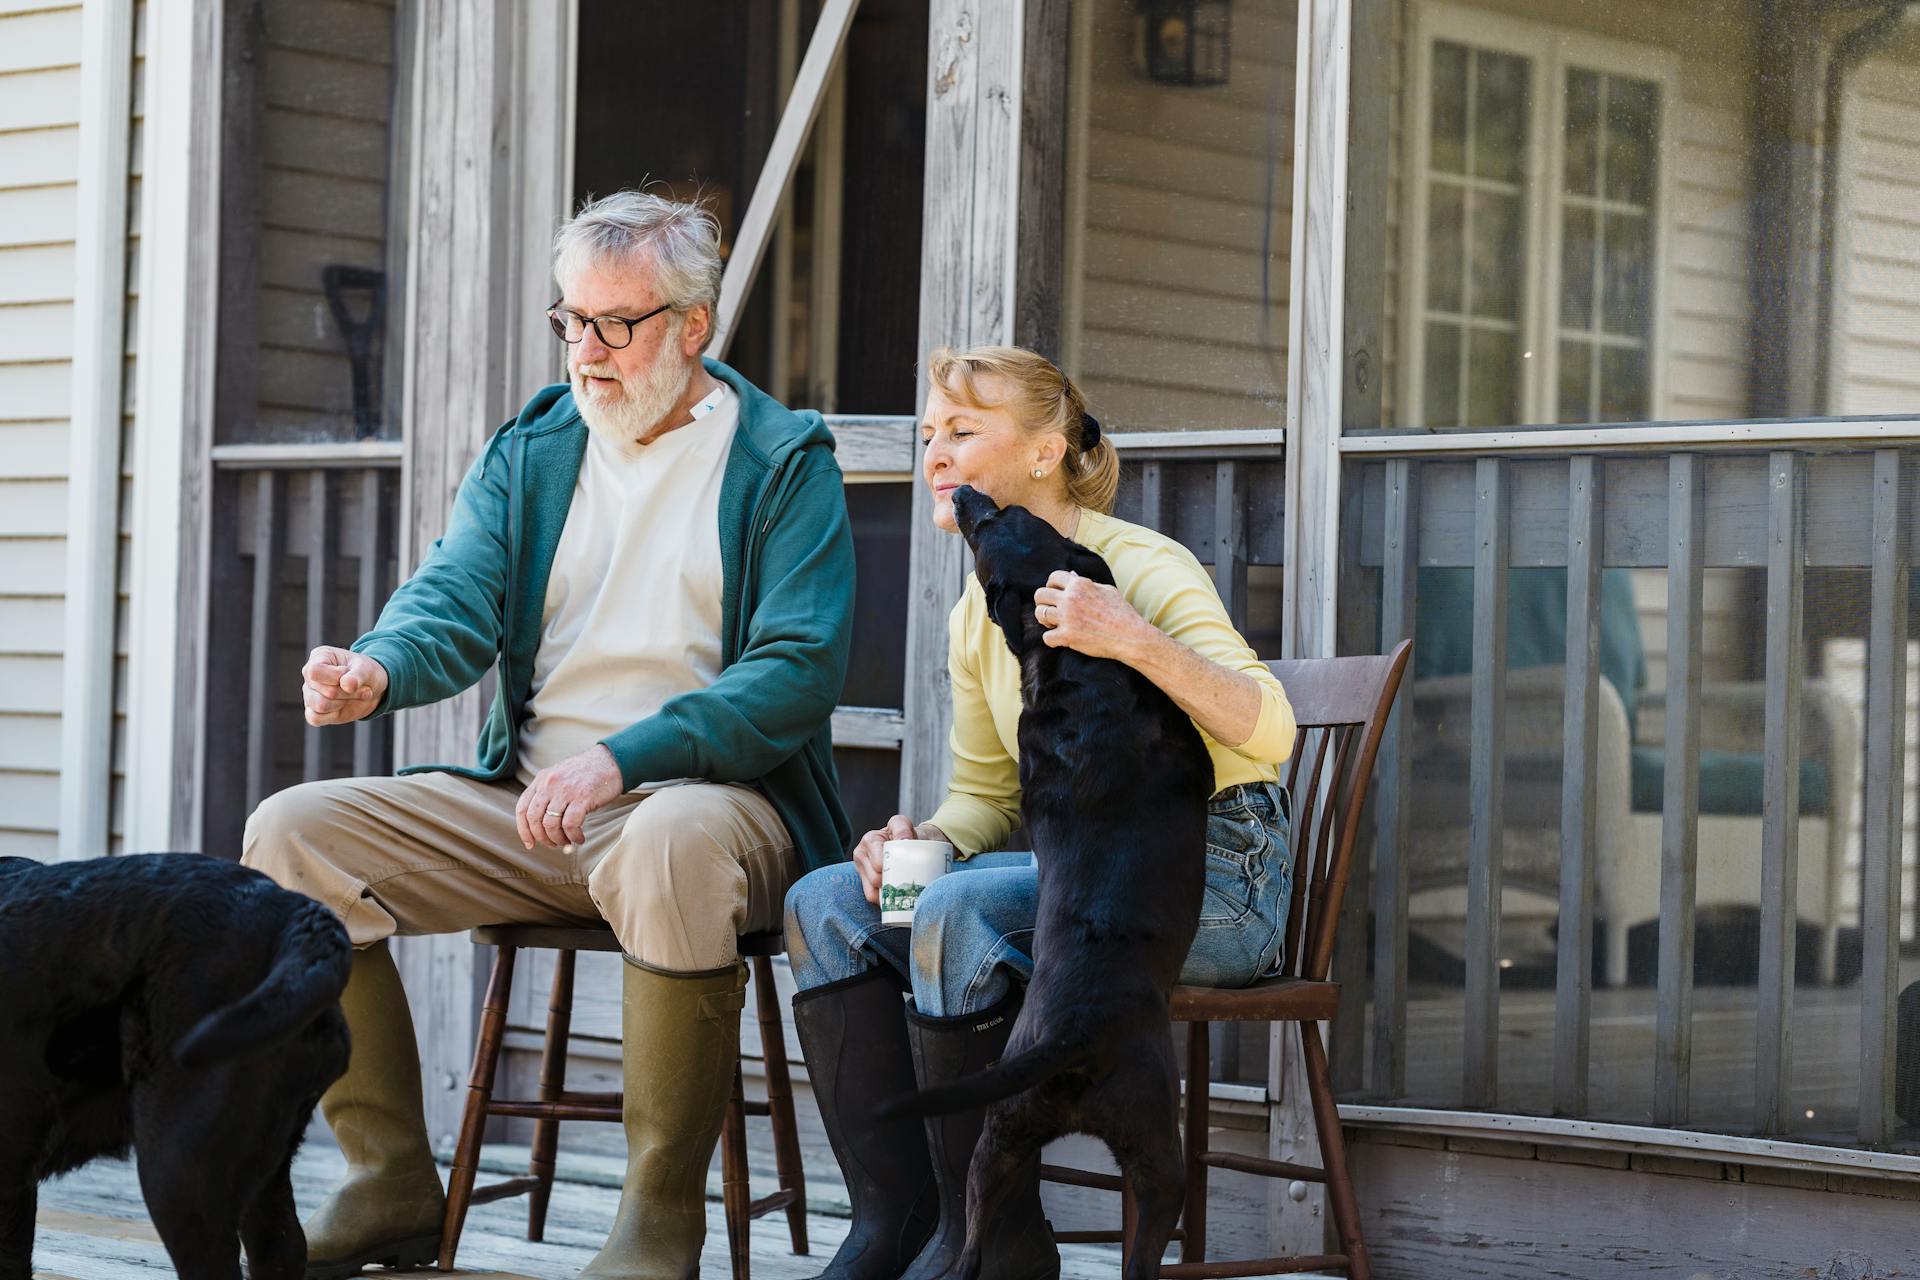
1341,705
556,1102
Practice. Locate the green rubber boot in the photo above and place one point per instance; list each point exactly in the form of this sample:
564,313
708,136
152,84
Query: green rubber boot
681,1034
389,1209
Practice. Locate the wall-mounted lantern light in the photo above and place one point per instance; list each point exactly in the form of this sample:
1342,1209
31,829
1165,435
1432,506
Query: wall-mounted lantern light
1186,41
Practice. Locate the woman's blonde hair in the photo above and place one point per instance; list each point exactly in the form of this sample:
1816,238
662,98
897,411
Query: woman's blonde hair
1041,399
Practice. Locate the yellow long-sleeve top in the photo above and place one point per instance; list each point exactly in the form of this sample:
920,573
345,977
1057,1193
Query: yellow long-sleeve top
1166,585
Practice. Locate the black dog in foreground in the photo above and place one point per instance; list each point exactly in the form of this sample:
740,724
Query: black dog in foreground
1114,782
180,1006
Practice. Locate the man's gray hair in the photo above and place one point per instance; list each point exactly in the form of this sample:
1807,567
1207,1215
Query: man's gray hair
680,240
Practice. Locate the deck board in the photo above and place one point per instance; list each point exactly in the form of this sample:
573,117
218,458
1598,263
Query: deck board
92,1225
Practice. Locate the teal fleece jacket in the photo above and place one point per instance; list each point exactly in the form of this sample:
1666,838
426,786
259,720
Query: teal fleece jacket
786,551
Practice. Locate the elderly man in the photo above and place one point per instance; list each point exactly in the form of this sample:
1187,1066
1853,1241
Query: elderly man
656,560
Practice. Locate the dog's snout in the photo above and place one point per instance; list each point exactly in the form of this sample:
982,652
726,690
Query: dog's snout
970,507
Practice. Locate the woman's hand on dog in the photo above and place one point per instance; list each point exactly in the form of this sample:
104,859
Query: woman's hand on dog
340,686
1089,617
867,854
553,810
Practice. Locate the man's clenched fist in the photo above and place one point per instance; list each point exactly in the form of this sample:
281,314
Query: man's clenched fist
340,686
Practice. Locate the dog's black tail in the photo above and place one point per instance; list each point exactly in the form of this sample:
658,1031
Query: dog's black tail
309,970
1001,1080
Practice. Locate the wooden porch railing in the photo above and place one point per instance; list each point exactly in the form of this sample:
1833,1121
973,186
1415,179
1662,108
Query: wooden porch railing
304,553
1778,514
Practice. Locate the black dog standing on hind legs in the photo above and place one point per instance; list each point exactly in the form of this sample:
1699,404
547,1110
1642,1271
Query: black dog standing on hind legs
1114,783
179,1006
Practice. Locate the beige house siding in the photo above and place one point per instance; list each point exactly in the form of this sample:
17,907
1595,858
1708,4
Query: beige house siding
1185,238
39,140
1876,353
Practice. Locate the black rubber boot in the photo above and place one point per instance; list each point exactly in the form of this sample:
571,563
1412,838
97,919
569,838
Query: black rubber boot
853,1034
1019,1245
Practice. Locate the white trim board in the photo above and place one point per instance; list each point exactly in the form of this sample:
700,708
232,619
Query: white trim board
179,85
93,431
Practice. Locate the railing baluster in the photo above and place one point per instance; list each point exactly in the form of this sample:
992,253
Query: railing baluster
319,553
1153,510
1780,793
369,548
1573,981
269,522
1886,774
1399,576
1486,783
1680,820
1230,539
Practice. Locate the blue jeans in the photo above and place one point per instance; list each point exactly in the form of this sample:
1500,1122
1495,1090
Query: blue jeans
973,928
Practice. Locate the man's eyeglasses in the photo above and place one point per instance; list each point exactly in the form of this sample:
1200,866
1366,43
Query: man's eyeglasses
614,331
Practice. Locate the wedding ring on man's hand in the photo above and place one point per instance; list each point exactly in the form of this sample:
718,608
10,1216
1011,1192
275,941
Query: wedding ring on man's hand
1053,614
555,813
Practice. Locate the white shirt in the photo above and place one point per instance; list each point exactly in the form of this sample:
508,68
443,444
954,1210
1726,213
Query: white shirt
633,604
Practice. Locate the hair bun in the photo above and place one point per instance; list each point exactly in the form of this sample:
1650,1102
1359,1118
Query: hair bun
1089,432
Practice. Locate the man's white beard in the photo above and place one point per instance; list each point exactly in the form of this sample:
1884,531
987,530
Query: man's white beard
624,419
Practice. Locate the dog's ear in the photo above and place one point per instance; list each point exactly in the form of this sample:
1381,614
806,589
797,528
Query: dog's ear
1012,611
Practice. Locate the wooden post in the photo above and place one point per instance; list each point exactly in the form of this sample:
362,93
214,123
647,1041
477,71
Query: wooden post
987,204
1783,252
489,188
1339,156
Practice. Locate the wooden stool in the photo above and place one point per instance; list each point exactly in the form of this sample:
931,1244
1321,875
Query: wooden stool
1341,706
556,1102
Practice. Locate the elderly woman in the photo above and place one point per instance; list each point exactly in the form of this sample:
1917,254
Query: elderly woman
1009,423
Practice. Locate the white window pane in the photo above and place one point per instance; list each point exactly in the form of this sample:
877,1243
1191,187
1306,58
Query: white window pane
1499,255
1500,107
1448,127
1446,249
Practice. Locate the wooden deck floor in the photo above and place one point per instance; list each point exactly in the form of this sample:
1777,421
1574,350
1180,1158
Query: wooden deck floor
93,1226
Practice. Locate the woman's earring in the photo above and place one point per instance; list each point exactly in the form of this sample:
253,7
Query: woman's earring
1039,472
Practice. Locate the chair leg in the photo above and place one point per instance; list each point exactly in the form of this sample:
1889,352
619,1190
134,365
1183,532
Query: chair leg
1333,1153
1193,1243
1129,1215
786,1133
735,1194
473,1124
553,1082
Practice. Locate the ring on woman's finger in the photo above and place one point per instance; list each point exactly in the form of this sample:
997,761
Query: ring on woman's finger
555,813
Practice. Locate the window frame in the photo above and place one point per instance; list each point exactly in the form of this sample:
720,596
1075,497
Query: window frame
1551,51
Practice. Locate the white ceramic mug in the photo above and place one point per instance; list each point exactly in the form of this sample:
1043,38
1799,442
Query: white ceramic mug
907,867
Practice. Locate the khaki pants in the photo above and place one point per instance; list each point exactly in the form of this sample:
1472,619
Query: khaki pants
679,873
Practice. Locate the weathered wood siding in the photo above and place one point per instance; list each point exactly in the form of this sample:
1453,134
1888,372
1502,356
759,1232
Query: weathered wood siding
1179,317
39,146
1434,1206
